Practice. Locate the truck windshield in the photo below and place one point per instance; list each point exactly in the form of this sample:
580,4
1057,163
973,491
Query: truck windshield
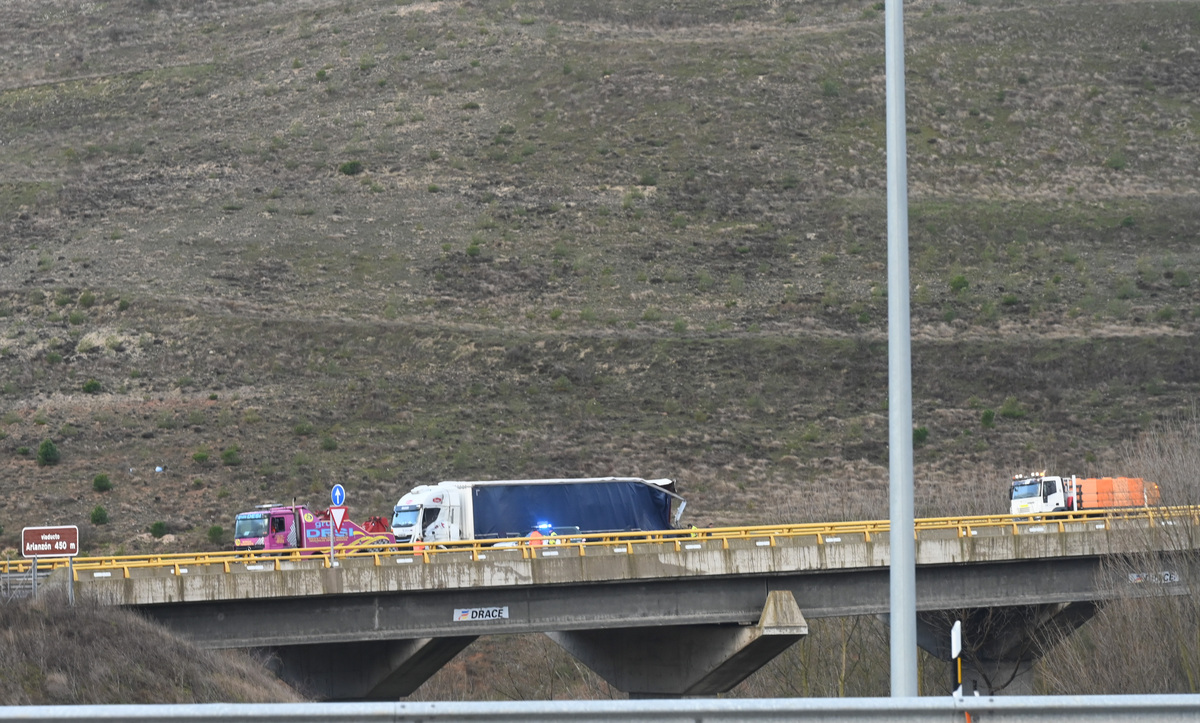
255,526
1025,490
405,516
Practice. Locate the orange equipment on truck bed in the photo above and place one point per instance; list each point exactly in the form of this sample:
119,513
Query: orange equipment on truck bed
1097,492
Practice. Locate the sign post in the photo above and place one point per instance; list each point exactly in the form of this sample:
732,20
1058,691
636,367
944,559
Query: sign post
338,496
51,542
955,652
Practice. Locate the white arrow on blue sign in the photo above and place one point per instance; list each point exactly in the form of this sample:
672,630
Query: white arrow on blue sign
338,495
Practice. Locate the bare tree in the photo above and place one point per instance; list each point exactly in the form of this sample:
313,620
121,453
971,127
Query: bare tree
1147,640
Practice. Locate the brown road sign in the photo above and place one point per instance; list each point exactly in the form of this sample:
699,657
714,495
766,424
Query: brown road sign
50,541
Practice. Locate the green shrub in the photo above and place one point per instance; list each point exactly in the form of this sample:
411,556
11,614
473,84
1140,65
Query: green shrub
99,515
1011,409
23,451
328,443
1127,289
200,457
100,483
216,534
959,283
988,418
988,311
1181,279
158,529
920,434
351,168
830,89
91,386
302,429
47,453
1116,162
87,299
231,456
75,318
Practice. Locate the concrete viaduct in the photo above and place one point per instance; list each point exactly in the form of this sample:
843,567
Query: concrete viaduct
657,616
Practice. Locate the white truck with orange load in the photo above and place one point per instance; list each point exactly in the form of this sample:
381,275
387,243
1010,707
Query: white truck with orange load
1036,493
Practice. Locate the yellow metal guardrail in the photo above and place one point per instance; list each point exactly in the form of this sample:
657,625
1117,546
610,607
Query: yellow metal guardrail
683,539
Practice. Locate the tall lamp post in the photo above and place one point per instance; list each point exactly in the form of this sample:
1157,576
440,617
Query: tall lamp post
903,575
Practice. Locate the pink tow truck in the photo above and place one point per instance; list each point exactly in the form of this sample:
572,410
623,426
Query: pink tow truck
284,527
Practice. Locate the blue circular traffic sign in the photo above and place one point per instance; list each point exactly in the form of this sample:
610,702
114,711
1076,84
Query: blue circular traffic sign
338,495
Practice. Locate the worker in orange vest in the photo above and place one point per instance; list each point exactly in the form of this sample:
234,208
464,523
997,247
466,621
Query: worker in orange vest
535,538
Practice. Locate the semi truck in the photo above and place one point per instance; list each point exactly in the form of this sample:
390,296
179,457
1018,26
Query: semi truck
287,527
493,509
1037,493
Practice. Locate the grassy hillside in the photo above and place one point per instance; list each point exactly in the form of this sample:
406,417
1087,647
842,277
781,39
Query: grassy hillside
55,654
274,246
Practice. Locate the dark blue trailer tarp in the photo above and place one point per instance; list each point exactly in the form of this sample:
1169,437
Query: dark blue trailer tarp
515,510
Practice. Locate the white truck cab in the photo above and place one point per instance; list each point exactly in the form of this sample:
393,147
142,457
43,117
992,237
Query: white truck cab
1035,493
428,513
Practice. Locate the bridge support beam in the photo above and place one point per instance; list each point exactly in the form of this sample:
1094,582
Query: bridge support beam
1001,644
366,670
680,660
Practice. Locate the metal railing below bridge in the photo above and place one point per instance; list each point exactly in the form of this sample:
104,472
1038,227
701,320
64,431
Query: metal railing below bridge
1014,709
625,542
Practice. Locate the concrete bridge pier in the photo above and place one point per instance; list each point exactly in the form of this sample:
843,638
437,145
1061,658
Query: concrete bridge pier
1001,644
382,670
673,661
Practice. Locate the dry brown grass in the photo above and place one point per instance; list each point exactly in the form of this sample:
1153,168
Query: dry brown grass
52,653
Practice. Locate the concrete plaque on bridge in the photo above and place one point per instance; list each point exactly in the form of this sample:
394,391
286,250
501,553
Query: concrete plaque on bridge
50,541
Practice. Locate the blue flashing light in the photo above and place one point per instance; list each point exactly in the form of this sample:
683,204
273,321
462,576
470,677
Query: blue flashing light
544,526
